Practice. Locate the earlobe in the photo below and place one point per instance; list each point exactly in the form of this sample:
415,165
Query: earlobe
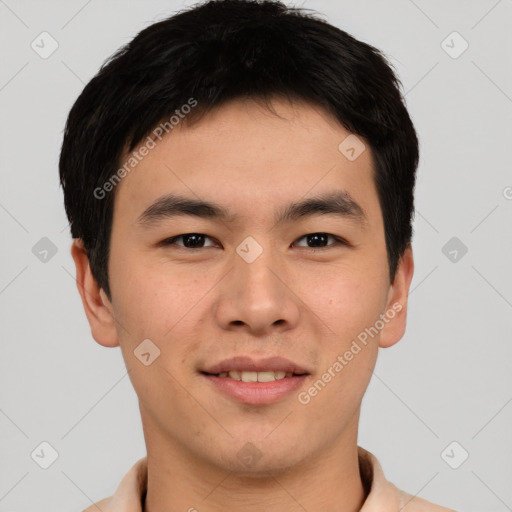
396,308
98,308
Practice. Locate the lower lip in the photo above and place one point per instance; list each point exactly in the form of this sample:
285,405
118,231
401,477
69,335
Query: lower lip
257,393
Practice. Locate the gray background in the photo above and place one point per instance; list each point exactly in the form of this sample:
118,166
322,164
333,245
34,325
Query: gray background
449,379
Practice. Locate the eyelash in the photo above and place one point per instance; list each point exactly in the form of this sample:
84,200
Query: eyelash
338,240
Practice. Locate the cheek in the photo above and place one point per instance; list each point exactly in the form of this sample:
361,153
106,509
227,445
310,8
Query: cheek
349,303
165,308
149,299
149,304
347,300
347,308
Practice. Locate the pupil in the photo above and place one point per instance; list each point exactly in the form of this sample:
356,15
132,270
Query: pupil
317,236
198,239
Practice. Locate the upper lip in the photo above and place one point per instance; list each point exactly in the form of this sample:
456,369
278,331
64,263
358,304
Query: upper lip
244,363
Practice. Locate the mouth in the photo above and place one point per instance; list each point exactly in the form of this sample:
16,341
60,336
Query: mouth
252,376
256,382
245,367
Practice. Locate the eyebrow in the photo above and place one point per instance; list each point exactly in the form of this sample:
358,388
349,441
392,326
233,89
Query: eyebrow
339,203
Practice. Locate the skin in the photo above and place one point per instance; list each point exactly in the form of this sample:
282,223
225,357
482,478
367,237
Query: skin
205,306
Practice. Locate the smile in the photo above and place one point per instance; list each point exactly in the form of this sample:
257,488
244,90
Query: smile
251,376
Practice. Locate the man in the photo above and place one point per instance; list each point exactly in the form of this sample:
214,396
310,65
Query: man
239,182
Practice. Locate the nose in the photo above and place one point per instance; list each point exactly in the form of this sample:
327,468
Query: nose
257,297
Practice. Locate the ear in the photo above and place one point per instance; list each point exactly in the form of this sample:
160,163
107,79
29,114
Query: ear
98,308
396,308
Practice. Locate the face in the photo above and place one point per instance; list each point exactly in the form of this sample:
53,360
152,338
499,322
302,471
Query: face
265,280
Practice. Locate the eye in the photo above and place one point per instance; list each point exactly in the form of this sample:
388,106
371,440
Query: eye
318,239
314,241
190,241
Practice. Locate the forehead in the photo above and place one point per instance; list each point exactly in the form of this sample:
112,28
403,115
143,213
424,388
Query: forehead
251,160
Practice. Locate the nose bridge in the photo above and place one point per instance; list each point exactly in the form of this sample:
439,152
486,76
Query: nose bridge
256,293
255,271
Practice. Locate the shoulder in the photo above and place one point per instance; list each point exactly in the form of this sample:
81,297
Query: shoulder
103,505
129,492
410,503
383,495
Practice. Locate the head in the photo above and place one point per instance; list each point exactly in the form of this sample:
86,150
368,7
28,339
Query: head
250,107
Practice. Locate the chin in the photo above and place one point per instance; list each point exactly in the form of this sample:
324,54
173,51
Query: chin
260,458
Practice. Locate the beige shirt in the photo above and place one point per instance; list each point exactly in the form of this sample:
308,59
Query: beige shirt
383,495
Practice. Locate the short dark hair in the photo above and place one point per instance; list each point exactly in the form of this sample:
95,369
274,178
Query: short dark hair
227,49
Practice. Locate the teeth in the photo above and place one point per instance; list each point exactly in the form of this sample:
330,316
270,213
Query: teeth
249,376
266,376
244,376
